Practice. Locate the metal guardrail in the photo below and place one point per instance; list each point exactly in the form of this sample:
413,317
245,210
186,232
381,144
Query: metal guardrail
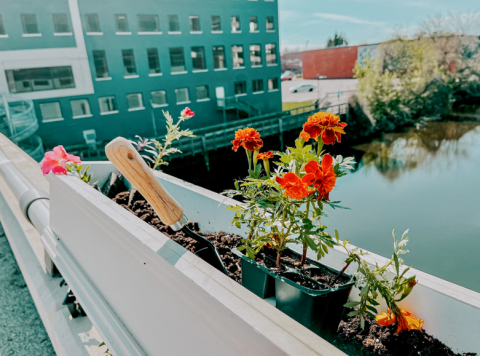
220,135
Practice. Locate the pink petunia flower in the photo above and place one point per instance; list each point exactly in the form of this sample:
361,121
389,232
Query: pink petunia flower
187,113
56,161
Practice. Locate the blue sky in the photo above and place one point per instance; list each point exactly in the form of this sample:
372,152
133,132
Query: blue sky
369,21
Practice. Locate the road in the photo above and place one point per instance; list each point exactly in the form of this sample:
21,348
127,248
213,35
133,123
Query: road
326,86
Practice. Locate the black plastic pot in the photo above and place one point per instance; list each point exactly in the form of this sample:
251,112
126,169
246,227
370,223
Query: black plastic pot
319,308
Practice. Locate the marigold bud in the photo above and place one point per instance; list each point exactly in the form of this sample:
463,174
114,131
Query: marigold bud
407,289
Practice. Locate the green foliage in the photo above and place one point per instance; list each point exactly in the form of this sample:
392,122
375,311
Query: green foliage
76,169
155,151
374,281
338,40
276,220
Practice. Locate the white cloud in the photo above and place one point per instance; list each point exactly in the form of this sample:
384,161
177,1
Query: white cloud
347,19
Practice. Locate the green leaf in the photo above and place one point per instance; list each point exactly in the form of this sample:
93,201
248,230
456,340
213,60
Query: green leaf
351,304
362,322
372,308
364,290
310,242
374,302
397,265
353,313
336,235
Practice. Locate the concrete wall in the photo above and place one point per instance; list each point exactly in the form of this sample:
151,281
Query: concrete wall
330,62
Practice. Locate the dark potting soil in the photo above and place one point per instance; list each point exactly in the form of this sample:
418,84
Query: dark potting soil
303,281
382,340
292,260
138,206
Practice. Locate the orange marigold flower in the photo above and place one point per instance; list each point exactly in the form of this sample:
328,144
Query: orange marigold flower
264,156
305,136
296,187
248,138
407,322
324,176
326,125
385,319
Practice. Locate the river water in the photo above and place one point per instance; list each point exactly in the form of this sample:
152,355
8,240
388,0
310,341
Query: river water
426,180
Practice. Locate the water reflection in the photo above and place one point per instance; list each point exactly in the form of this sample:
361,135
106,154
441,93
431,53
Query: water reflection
429,147
424,179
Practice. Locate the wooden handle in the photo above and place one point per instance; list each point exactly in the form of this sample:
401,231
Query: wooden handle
129,162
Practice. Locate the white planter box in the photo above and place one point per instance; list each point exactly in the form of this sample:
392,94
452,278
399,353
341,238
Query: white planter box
173,303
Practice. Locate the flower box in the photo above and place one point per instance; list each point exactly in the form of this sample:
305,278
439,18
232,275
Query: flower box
161,292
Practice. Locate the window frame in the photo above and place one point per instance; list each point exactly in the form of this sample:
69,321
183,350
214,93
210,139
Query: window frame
67,23
239,30
244,84
236,56
83,115
117,27
3,31
159,105
61,118
267,54
105,62
157,59
140,101
200,59
24,26
182,102
178,30
273,24
219,24
261,88
250,24
125,54
207,98
199,31
157,24
115,111
87,22
224,58
268,84
259,55
52,76
171,63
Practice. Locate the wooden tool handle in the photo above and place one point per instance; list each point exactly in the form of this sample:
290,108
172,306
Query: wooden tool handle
129,162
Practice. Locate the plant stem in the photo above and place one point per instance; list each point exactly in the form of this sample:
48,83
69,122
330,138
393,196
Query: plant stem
320,147
249,158
305,246
278,260
341,272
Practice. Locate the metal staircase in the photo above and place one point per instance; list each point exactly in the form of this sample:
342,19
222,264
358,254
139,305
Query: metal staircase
239,105
19,123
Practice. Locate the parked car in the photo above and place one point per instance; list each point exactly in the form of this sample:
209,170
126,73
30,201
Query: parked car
287,75
303,87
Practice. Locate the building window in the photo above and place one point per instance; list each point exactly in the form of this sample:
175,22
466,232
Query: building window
270,23
194,24
135,102
148,23
273,84
177,60
237,56
2,26
255,55
240,88
93,23
153,61
257,86
30,25
216,25
182,96
202,93
159,98
128,63
198,58
38,79
173,25
51,111
235,22
107,105
271,54
253,24
219,61
100,61
121,23
80,108
60,23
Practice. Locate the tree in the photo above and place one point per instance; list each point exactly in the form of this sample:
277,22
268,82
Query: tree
338,40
